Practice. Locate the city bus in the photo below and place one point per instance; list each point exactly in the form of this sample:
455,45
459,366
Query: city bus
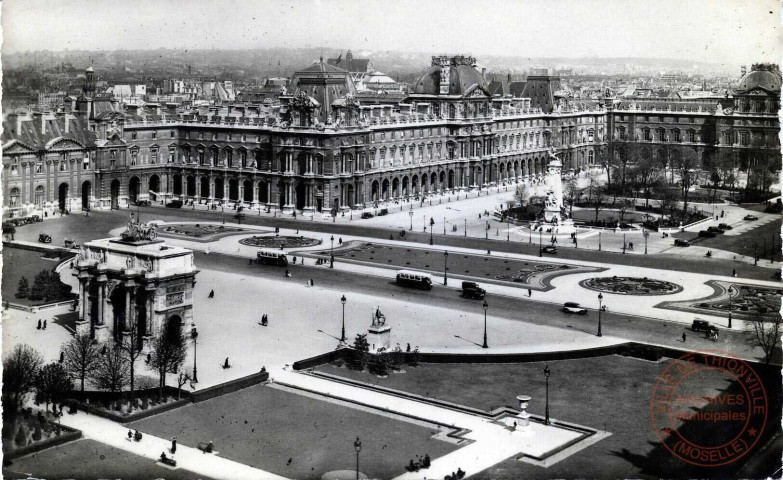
271,257
409,278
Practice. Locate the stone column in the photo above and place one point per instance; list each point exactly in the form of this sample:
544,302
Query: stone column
128,287
82,298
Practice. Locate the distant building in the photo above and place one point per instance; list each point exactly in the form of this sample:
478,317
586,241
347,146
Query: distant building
357,67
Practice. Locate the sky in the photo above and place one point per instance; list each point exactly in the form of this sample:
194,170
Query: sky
716,31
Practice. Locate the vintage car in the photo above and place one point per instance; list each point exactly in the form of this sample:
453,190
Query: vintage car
44,238
572,307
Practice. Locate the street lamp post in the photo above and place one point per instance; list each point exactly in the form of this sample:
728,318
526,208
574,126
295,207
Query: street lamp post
432,226
546,411
357,445
331,254
410,214
731,291
599,241
600,308
645,234
755,252
342,335
540,242
485,325
445,268
623,243
194,336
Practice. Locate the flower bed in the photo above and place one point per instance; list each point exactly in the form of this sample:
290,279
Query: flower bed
631,286
26,433
279,241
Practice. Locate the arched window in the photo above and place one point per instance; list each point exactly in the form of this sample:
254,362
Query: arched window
243,158
40,194
13,197
590,157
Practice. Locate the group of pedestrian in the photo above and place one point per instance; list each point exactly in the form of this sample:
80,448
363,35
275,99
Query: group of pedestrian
420,463
41,326
134,436
458,475
264,320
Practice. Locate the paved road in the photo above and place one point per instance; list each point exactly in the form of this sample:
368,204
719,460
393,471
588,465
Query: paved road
82,228
634,328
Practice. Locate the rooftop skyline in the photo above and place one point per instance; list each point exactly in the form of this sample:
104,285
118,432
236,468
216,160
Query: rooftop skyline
715,31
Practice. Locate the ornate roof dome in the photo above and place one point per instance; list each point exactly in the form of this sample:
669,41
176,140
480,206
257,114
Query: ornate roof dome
462,75
766,79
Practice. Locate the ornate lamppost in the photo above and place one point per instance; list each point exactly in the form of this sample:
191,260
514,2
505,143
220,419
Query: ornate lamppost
410,214
331,254
486,306
432,226
546,411
445,268
600,308
731,292
194,336
342,335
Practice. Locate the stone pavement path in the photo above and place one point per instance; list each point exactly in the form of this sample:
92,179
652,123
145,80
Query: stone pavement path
150,447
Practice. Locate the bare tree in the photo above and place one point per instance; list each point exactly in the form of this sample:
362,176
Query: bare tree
766,334
624,206
19,372
522,195
130,347
599,200
184,375
80,356
689,176
169,350
570,193
112,372
52,383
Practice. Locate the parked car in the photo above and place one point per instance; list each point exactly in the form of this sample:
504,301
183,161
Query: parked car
366,215
751,217
572,307
549,249
679,242
36,218
44,238
724,226
715,230
706,234
174,204
701,325
473,290
143,203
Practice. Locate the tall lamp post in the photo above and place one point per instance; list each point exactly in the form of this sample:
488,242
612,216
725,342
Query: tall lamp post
600,308
546,411
432,226
599,241
331,254
194,336
342,335
486,306
445,268
540,242
645,234
410,214
357,445
731,292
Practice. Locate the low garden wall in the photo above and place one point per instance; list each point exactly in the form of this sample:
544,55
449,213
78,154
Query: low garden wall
630,349
67,434
99,399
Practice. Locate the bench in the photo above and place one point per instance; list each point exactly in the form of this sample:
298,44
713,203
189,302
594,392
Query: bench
206,447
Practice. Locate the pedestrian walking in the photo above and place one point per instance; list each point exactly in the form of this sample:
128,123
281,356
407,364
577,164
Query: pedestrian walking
130,435
340,240
312,284
734,272
529,292
683,337
44,327
39,324
294,260
211,294
408,348
174,443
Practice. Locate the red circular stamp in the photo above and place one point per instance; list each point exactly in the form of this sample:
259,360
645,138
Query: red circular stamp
709,408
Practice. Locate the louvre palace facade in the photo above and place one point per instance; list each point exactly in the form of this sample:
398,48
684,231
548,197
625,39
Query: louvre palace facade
320,149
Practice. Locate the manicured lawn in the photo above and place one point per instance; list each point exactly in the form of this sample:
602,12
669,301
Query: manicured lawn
19,263
88,459
521,272
608,393
265,427
743,243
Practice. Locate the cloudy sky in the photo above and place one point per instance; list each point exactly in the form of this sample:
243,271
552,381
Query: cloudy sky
718,31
